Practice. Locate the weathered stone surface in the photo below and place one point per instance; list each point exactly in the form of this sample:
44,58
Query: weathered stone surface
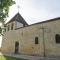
26,36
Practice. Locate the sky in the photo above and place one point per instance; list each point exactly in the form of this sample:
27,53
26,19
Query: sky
34,11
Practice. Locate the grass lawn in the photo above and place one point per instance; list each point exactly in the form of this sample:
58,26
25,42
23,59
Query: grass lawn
10,58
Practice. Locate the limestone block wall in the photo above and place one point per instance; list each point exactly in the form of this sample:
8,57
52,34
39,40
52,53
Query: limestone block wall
50,30
8,42
10,24
26,36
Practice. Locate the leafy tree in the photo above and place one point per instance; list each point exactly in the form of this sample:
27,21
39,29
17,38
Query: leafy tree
4,9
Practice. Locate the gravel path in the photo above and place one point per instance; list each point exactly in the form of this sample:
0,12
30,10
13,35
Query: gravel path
30,57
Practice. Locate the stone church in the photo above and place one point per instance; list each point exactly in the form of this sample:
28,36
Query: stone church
39,39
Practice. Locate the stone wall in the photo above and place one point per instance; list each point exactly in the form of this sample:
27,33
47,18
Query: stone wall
26,36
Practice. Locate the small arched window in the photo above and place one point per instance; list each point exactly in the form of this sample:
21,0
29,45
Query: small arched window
36,40
12,26
57,37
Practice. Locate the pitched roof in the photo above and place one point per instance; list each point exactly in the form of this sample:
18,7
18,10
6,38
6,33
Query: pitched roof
50,20
18,18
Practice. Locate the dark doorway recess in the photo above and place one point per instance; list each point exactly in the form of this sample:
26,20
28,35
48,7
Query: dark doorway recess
16,47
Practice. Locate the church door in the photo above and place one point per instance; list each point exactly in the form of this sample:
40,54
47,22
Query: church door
16,47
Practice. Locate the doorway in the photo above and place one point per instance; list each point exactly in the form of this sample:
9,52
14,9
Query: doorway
16,47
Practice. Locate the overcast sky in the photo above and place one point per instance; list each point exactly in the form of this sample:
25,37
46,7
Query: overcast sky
34,11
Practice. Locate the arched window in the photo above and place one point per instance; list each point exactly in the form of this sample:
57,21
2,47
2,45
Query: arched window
57,37
12,26
36,40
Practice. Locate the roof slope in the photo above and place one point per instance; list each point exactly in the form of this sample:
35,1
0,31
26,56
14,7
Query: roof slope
50,20
18,18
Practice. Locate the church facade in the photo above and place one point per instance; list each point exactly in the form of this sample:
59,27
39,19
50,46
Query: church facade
40,39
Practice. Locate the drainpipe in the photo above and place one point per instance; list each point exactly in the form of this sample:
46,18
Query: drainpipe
43,41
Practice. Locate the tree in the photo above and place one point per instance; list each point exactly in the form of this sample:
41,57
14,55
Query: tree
4,9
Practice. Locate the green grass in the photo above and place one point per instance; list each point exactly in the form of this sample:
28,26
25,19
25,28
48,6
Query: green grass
10,58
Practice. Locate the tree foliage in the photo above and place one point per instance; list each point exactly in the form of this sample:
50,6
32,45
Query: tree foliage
4,9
